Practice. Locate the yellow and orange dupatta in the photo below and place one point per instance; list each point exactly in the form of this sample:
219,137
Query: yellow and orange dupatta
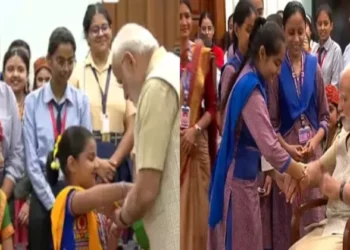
58,216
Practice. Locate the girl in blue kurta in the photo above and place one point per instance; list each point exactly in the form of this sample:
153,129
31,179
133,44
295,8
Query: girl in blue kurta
299,114
243,19
234,219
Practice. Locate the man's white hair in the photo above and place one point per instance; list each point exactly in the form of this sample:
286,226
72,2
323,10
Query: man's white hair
133,38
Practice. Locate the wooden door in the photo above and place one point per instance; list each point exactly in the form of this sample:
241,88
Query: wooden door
217,9
159,16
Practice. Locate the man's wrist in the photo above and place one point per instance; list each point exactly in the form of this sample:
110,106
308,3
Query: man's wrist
122,220
341,191
303,173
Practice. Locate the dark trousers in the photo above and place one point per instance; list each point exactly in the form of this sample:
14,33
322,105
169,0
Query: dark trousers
39,228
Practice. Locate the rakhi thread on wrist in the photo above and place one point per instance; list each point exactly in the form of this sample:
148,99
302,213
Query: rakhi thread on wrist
120,217
341,191
139,230
298,198
304,174
122,184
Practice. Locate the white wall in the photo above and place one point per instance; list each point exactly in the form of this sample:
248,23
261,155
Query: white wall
270,6
34,20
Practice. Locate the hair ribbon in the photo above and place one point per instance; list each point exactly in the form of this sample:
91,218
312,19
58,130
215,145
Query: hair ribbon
55,164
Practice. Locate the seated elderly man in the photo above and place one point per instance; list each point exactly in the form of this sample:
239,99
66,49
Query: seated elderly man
332,174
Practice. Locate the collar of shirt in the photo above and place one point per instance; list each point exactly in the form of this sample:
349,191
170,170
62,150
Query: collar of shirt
157,55
328,44
89,62
49,96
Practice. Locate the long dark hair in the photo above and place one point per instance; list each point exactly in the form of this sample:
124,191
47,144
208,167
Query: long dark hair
275,18
91,11
326,8
227,39
243,10
267,34
187,3
21,53
16,52
72,143
210,17
19,43
60,36
292,8
312,28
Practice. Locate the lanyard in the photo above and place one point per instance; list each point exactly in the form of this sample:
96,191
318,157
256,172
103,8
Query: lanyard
239,56
186,76
104,94
297,82
54,120
321,55
186,81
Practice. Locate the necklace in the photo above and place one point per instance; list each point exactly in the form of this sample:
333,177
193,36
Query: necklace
20,106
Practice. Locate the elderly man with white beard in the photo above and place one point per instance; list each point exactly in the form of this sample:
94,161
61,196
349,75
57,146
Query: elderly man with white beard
331,173
151,79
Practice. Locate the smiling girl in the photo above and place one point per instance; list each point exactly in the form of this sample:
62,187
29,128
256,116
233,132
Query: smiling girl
234,218
299,113
243,19
75,222
112,115
42,72
15,73
328,52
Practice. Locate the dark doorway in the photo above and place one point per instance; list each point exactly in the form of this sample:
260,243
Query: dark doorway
341,19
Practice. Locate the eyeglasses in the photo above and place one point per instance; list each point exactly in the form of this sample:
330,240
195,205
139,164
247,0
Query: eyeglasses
96,30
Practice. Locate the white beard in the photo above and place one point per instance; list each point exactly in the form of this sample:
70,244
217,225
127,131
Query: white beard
346,123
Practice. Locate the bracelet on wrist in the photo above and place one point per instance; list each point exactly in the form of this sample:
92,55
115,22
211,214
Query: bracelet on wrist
122,220
123,187
341,191
304,174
